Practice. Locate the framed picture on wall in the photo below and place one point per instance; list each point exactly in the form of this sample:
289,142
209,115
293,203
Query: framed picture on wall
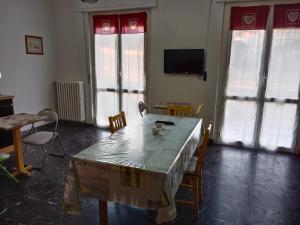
34,45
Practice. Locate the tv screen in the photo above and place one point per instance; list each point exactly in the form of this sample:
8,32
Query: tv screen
184,61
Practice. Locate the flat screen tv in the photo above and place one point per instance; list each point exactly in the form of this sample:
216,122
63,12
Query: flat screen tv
184,61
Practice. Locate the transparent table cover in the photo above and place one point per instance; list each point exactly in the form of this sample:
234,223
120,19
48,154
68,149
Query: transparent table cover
135,167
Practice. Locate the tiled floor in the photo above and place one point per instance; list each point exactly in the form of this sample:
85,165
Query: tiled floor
242,187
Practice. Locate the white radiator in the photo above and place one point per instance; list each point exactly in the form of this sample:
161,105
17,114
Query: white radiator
70,100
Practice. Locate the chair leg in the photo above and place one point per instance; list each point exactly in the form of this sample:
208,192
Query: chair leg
103,217
25,149
9,174
61,143
62,146
195,181
46,158
200,186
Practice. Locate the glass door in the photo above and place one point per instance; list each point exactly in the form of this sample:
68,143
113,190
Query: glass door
281,100
106,69
245,69
262,89
242,90
119,65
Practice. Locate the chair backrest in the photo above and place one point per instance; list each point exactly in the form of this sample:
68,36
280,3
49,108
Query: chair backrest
180,110
202,148
117,122
51,117
143,107
199,109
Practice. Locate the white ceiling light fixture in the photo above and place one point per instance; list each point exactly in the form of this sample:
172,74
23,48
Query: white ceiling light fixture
89,1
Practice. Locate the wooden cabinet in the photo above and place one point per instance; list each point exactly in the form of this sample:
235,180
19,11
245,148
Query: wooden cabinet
6,137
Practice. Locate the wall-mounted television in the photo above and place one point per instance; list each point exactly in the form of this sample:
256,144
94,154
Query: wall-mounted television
184,61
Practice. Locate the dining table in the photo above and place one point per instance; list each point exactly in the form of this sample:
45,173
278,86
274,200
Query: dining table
135,167
14,123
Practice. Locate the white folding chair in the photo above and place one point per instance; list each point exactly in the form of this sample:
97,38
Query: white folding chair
42,138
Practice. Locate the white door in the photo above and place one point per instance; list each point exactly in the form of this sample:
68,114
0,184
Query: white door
119,65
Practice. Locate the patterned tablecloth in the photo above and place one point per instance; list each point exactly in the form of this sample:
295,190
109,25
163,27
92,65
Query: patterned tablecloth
19,120
135,167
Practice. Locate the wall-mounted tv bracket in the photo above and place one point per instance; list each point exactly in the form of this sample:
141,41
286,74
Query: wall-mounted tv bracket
202,76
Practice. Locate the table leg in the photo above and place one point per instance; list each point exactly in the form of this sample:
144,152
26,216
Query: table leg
103,218
21,169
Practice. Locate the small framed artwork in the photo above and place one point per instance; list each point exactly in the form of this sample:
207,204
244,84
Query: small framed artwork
34,45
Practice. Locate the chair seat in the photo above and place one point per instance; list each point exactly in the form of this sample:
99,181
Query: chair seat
3,156
192,165
38,138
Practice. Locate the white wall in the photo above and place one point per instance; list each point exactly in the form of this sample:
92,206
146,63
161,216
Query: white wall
28,77
178,25
71,57
173,24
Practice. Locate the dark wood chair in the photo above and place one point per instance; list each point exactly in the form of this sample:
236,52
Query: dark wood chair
117,122
192,179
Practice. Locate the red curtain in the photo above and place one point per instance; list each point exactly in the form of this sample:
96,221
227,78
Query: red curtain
133,23
249,18
130,23
106,24
286,16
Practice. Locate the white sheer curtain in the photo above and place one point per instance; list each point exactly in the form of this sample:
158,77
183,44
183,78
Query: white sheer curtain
262,90
239,122
245,63
133,73
242,87
106,77
282,93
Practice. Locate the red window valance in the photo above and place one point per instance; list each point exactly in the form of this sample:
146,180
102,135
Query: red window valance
133,23
249,18
286,16
129,23
106,24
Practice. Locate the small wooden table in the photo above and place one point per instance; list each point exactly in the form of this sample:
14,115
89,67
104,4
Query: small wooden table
171,107
14,123
170,104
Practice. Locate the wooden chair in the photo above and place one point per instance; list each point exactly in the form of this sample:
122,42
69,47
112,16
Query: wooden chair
117,122
180,110
199,110
193,177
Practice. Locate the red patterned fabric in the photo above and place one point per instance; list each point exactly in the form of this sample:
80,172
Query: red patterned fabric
133,23
106,24
286,16
249,18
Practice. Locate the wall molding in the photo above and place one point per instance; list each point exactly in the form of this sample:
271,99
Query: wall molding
111,5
